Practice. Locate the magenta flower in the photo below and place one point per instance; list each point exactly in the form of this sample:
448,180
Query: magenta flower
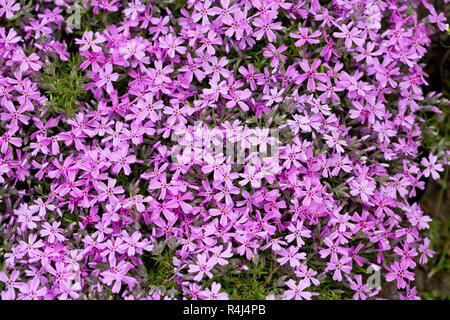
350,36
251,176
193,137
399,271
339,265
8,8
172,44
431,167
202,11
362,187
134,8
360,288
292,255
310,74
88,42
27,62
334,142
108,191
10,284
439,20
13,114
411,294
31,290
134,244
216,67
213,293
265,25
52,232
296,291
62,273
297,232
304,37
117,274
426,252
275,54
107,77
122,161
202,267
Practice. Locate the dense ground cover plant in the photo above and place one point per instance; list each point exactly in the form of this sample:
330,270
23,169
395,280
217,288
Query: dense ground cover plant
110,183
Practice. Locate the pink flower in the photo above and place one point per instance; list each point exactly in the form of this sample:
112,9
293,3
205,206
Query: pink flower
107,76
426,252
31,291
399,271
296,291
172,44
360,288
202,11
88,42
411,294
52,232
292,255
202,267
439,20
431,167
304,37
10,284
8,8
122,161
216,67
213,293
108,191
265,25
334,142
27,62
310,74
251,176
350,36
117,274
339,265
297,232
362,187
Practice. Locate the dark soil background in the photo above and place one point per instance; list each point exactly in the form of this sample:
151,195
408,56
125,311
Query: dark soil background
433,279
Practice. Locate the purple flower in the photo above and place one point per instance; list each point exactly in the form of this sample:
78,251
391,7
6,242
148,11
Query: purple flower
52,232
350,36
310,74
339,265
266,25
431,167
292,255
106,77
10,284
213,293
296,291
399,271
202,267
117,274
8,8
31,291
88,42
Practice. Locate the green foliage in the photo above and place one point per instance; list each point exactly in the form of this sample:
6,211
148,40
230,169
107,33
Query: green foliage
160,269
440,226
64,85
434,295
256,283
440,242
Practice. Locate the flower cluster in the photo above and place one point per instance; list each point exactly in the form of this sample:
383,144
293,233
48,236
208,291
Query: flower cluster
322,103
